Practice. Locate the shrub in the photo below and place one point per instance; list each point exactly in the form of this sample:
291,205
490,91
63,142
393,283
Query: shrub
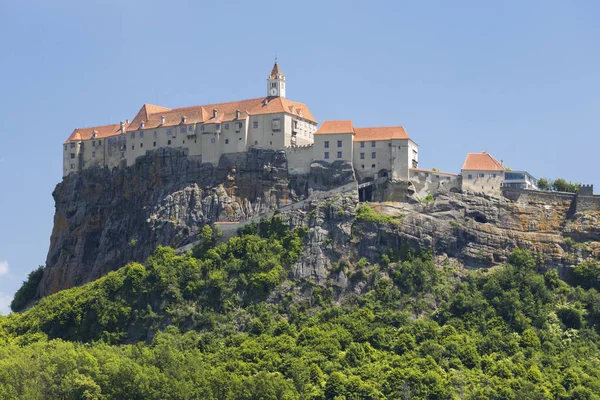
367,214
27,290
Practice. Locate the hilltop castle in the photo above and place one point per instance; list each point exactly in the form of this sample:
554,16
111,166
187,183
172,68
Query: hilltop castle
269,122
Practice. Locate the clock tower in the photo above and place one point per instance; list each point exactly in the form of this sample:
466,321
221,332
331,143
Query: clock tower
276,82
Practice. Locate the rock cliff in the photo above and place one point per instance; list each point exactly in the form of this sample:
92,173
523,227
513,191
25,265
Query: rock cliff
105,219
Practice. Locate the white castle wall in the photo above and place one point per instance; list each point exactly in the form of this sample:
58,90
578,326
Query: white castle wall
299,159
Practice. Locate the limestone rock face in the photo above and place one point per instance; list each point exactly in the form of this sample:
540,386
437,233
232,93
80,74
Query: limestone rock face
104,219
473,229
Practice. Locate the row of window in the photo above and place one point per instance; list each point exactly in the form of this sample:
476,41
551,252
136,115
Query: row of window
362,144
339,155
373,155
326,155
481,175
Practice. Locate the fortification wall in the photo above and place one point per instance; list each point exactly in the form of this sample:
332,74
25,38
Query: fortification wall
587,203
299,159
433,182
527,195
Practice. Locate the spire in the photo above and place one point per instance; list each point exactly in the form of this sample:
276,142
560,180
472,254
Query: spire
275,72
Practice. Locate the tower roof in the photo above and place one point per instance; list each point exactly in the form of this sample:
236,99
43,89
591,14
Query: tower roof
275,71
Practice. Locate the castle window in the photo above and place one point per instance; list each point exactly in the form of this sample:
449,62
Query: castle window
153,144
363,166
155,134
255,125
212,140
373,155
326,156
133,135
202,128
132,147
93,143
72,155
481,175
493,176
326,144
470,176
339,143
168,131
141,145
168,142
362,156
190,128
65,147
227,126
218,126
362,144
373,143
142,134
239,125
99,142
72,145
339,154
372,165
390,144
182,129
240,138
72,166
226,141
93,154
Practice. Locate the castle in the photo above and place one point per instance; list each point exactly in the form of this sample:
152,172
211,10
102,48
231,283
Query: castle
269,122
274,122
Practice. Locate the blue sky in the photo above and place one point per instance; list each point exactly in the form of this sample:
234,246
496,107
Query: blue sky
518,79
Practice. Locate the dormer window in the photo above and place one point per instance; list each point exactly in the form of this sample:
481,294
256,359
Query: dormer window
214,113
142,125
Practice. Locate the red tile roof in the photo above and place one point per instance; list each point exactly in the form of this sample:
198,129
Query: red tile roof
482,162
151,115
334,127
380,133
101,132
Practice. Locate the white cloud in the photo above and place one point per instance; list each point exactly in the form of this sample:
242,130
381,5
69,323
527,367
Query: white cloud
3,267
5,300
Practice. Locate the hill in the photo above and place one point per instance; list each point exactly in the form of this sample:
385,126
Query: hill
227,320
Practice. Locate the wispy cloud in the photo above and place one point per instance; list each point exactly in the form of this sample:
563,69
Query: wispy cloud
5,300
3,267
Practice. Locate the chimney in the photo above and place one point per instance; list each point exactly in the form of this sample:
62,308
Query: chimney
214,113
122,127
183,118
162,120
237,114
293,109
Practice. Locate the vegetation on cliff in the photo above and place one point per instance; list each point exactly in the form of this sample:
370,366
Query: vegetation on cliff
224,322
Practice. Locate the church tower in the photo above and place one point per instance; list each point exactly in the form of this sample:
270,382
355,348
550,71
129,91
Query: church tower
276,82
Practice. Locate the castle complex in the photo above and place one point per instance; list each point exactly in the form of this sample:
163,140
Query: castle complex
274,122
270,122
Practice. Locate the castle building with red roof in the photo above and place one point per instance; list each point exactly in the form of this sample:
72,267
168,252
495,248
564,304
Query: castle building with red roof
208,131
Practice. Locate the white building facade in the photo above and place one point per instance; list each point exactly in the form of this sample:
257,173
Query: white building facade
271,122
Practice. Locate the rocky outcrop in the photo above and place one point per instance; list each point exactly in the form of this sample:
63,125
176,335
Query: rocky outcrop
105,219
473,229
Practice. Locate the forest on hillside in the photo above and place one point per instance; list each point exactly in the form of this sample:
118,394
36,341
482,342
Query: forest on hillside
225,321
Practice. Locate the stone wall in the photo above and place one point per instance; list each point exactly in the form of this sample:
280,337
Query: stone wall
299,159
433,182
